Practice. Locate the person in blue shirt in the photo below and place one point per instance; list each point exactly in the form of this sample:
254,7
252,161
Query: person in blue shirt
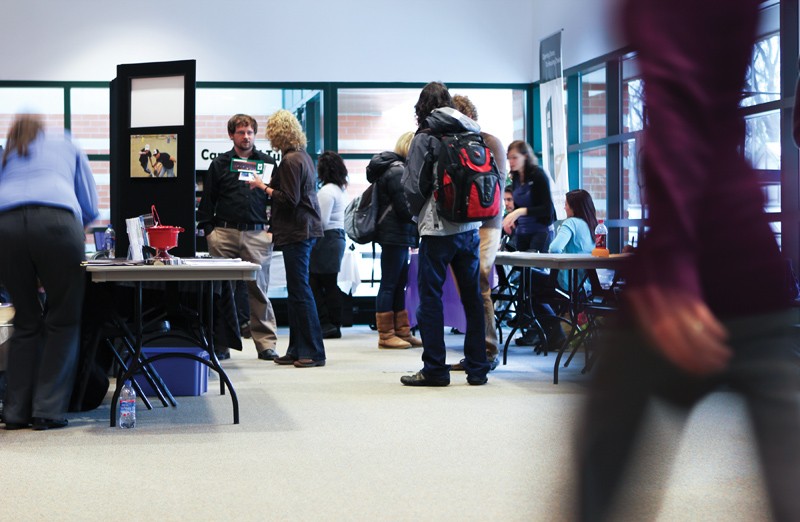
47,198
575,236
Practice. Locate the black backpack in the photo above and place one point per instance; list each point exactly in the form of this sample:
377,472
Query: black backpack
467,180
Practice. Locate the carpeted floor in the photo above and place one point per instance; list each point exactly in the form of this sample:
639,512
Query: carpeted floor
349,442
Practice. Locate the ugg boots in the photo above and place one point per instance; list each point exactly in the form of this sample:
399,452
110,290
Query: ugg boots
388,339
402,328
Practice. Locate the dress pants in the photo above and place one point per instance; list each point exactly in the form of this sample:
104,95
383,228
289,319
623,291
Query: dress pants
42,246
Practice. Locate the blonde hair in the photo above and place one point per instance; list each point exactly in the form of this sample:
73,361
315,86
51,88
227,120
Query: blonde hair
24,129
403,144
284,131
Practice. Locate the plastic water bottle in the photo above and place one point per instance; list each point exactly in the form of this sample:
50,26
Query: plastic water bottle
127,406
600,237
110,241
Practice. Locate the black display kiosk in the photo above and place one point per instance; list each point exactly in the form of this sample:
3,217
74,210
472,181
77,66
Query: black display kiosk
153,107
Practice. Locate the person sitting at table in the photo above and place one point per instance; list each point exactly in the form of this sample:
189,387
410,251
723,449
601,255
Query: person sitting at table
396,234
534,213
530,223
575,236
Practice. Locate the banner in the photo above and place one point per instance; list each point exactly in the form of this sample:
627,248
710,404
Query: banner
553,120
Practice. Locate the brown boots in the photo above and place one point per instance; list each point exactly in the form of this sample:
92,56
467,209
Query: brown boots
388,339
402,328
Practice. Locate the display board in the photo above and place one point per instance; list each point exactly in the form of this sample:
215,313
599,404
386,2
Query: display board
153,148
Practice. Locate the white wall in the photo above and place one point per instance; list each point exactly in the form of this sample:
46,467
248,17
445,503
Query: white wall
300,40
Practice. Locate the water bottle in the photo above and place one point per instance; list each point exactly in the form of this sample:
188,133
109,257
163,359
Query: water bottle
600,236
127,406
110,241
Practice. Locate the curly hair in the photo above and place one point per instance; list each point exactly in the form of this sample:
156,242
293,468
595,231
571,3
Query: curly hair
284,131
241,120
24,129
433,96
331,169
465,106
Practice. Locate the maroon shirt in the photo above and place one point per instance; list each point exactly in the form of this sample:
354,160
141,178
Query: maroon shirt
708,232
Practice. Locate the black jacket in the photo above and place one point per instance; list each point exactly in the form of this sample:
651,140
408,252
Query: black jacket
396,228
226,198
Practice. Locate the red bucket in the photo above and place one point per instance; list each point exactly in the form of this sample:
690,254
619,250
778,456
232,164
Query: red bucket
162,237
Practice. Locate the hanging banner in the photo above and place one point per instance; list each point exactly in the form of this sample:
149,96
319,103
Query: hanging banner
553,120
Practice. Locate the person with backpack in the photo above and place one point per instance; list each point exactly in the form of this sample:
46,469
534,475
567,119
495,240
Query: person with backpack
396,233
443,242
490,233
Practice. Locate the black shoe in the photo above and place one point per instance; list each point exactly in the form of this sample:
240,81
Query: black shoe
223,355
17,425
40,423
268,355
419,379
331,332
474,380
530,338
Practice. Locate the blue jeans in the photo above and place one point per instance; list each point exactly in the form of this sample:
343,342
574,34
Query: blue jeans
394,277
461,252
305,334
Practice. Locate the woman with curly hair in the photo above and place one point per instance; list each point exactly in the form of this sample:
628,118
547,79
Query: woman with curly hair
296,224
327,254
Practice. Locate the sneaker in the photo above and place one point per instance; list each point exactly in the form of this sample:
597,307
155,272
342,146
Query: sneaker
419,379
494,363
268,355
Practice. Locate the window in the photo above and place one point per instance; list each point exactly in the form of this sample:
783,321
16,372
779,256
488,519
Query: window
593,178
89,119
593,105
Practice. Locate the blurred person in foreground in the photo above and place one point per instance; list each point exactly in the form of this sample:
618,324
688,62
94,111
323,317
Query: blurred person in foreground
47,198
705,303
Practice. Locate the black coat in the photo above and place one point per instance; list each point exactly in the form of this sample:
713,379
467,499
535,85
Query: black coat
396,228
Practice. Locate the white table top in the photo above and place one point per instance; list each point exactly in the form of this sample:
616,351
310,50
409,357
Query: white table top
560,261
192,270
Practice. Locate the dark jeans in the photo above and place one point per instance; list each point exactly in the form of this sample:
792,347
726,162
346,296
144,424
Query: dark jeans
328,298
394,278
305,335
461,252
42,245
